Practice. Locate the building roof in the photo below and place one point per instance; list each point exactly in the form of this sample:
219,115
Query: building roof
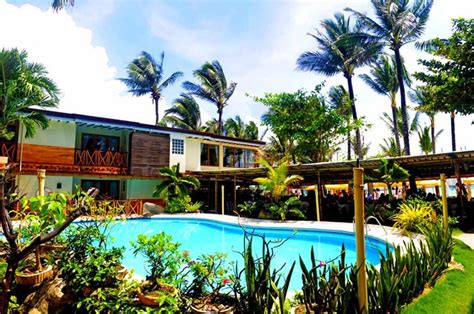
136,126
422,166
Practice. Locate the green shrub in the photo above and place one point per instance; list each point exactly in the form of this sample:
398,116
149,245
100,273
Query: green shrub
290,207
248,209
414,215
182,205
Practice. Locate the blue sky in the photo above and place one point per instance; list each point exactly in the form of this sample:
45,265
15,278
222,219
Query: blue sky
257,42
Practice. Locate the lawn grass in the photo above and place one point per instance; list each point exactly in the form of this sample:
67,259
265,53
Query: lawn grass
455,292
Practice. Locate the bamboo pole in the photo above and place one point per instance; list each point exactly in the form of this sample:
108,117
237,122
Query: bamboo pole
316,193
360,239
41,178
235,193
222,200
444,200
216,195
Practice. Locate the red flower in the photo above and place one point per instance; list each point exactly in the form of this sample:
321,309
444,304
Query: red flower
190,262
226,281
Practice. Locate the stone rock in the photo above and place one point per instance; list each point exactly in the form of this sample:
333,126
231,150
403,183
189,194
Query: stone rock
150,209
49,298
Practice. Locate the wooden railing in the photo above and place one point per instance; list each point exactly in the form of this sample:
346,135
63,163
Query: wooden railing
9,150
118,207
97,158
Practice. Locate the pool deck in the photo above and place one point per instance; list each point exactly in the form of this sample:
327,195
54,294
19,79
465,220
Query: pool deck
383,233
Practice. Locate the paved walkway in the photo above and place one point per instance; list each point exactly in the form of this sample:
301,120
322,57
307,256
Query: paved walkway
467,238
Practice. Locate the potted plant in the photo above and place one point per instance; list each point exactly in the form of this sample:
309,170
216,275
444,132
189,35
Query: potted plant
164,263
211,285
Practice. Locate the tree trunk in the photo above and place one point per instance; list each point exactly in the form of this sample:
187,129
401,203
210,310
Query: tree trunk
349,145
221,126
395,126
156,99
453,131
7,284
354,116
433,133
403,102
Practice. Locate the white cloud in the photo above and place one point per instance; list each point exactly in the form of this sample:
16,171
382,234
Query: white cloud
82,71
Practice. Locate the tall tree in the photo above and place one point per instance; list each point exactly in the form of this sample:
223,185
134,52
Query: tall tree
339,98
184,114
450,77
58,5
426,140
339,52
399,23
389,148
383,80
145,76
213,87
23,84
423,98
236,127
412,123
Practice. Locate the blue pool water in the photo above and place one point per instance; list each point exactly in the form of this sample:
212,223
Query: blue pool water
201,236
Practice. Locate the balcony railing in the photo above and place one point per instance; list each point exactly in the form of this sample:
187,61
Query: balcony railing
97,158
9,149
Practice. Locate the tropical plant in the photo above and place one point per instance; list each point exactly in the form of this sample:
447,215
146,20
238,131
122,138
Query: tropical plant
399,23
278,148
23,84
184,114
291,206
412,123
449,76
339,99
277,181
58,5
423,97
145,76
236,127
248,209
260,277
414,216
182,205
425,139
329,287
339,52
390,172
383,80
212,126
175,184
389,147
213,87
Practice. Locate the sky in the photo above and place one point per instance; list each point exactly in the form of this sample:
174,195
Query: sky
87,47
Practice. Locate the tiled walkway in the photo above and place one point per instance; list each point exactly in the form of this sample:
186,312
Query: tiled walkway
467,238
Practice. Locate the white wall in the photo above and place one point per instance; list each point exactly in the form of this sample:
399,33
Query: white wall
176,158
28,184
193,154
59,133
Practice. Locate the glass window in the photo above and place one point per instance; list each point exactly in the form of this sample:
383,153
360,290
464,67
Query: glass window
238,157
100,142
209,155
177,146
108,189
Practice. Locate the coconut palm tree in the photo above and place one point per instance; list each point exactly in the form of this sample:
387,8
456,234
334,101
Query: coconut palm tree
174,184
22,85
338,52
425,139
236,127
212,126
277,180
145,76
339,99
383,80
389,148
58,5
184,114
412,123
422,97
213,87
398,23
278,148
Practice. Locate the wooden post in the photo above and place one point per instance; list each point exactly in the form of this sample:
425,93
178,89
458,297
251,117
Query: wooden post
41,179
360,239
235,193
222,200
216,195
316,193
444,200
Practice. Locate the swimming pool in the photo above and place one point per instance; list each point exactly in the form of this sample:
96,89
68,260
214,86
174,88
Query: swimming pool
205,236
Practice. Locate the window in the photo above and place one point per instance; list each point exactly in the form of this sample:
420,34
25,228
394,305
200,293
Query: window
108,189
238,157
177,146
100,142
209,155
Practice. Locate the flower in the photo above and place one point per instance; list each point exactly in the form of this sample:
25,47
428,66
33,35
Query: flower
226,281
185,253
190,262
321,263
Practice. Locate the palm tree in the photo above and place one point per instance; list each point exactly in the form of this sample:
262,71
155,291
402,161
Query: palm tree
425,140
339,99
145,76
339,53
277,181
399,23
236,127
251,131
58,5
175,184
212,126
213,87
22,85
422,97
390,172
389,147
412,123
383,80
184,114
278,148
